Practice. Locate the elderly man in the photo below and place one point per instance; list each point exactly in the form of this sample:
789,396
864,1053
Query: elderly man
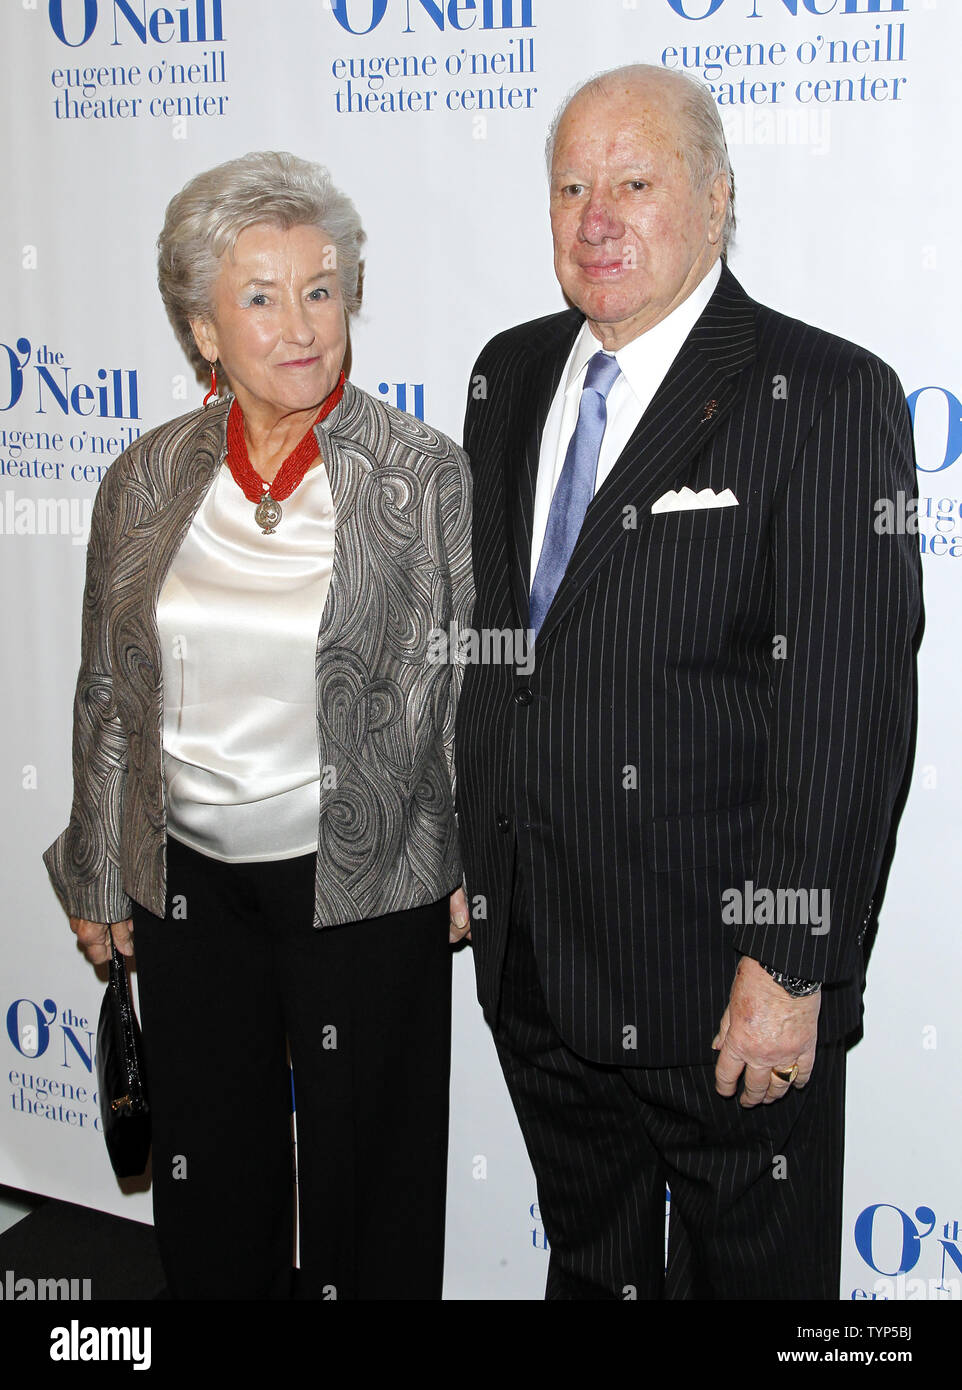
677,827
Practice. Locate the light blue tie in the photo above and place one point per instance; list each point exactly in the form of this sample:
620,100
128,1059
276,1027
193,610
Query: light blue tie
575,488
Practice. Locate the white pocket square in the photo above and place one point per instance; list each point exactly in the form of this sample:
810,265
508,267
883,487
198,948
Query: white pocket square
688,501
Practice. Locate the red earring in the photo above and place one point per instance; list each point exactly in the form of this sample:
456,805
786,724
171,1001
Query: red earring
213,383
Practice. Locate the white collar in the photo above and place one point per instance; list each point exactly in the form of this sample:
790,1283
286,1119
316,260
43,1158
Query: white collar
651,352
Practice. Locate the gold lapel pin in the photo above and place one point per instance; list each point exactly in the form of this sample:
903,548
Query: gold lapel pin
710,408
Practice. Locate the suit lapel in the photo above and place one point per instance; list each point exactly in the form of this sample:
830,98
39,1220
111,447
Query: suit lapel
697,393
548,354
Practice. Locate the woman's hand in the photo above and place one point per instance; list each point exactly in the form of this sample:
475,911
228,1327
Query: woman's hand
460,929
94,938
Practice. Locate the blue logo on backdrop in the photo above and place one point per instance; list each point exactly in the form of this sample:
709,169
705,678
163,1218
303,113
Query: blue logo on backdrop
113,398
32,1027
458,14
890,1241
36,378
397,393
539,1239
74,22
762,9
953,426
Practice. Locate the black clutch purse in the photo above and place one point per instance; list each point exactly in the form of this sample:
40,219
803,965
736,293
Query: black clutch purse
124,1112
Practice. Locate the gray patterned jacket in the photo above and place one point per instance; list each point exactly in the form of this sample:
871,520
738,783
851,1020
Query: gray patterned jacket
385,708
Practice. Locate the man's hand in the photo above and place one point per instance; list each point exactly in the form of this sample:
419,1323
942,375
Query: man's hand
764,1027
95,939
460,929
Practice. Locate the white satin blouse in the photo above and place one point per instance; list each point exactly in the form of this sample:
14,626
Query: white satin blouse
238,617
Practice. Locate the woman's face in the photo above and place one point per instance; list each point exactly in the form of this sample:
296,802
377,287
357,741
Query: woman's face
277,323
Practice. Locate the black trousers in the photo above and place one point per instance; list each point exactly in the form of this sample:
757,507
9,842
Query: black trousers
756,1194
234,976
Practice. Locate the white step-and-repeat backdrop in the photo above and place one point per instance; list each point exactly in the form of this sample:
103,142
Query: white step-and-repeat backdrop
431,114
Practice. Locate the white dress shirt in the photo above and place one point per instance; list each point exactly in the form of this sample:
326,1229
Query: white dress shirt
238,618
644,363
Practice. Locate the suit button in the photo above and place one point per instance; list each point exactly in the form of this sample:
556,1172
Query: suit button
523,696
504,823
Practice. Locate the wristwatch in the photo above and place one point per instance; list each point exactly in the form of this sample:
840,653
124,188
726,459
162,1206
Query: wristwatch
797,988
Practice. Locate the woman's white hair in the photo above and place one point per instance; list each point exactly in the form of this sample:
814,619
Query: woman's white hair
207,216
705,149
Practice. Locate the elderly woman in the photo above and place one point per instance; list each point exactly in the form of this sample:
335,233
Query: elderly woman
262,764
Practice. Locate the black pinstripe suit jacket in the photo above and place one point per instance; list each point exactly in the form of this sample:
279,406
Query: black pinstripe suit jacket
720,698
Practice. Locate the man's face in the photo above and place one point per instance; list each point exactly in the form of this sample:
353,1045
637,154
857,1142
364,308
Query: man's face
632,237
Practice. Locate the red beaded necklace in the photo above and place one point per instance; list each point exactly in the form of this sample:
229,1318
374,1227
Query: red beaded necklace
269,496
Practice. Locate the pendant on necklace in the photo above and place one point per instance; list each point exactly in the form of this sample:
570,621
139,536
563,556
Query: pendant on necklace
267,514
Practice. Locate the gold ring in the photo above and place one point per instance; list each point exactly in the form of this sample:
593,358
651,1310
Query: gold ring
788,1076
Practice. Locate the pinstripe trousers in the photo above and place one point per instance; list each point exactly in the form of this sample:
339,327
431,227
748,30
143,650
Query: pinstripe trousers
756,1194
